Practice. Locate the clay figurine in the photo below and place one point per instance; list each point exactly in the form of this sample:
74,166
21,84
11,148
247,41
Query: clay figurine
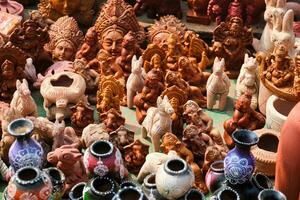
135,155
174,51
42,20
121,137
158,121
244,117
91,134
216,9
65,39
112,120
217,84
154,57
22,100
197,12
81,10
135,82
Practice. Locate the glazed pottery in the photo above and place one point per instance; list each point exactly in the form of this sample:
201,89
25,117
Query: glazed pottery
271,194
149,188
102,159
193,194
215,176
130,193
277,111
57,178
239,163
29,183
287,176
226,193
76,192
174,178
25,151
102,188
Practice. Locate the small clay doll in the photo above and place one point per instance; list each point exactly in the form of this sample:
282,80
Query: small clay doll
112,120
89,48
121,138
91,134
174,51
216,9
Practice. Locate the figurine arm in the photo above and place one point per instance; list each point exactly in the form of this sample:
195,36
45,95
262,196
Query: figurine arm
118,71
208,120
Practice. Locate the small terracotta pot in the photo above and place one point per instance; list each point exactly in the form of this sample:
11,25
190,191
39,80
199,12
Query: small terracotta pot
76,192
271,194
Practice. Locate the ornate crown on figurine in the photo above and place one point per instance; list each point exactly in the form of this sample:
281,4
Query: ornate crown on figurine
116,15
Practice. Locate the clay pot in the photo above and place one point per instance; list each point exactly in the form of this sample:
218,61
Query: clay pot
193,194
149,188
25,151
226,193
127,184
76,192
271,194
102,159
215,176
11,7
130,193
174,178
265,152
277,111
57,178
239,163
263,96
29,183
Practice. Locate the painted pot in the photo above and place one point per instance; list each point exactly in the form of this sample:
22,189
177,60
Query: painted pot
25,151
225,193
271,194
215,176
76,192
102,159
102,188
57,178
193,194
29,183
174,178
239,164
130,193
149,188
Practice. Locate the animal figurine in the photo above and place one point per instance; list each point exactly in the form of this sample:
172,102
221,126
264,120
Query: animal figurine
135,82
22,101
158,121
30,70
217,84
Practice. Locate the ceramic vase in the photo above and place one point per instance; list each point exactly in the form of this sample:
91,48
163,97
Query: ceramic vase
130,193
193,194
239,164
225,193
25,151
271,194
174,178
149,188
102,159
102,188
76,192
215,176
29,183
57,178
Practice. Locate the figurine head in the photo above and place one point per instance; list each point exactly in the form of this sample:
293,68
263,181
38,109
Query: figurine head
112,42
219,65
243,102
65,7
129,40
112,120
91,36
170,142
8,68
164,105
122,136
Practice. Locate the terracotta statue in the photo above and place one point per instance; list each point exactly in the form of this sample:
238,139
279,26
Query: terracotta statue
171,142
69,160
81,10
12,61
297,75
212,154
121,138
154,57
109,94
150,92
92,133
42,20
135,156
65,39
90,47
31,38
197,12
235,38
216,9
112,120
217,84
174,51
82,116
244,9
244,117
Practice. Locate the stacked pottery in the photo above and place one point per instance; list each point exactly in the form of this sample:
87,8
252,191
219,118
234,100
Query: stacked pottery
149,188
130,193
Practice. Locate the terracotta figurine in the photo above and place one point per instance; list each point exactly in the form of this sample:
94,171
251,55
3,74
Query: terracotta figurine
112,120
174,51
121,138
216,9
91,134
154,57
197,12
90,47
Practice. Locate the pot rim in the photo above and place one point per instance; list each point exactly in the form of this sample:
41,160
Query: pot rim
214,168
246,133
93,189
271,190
94,153
13,124
228,189
125,189
61,174
256,183
73,188
169,171
197,191
34,180
146,181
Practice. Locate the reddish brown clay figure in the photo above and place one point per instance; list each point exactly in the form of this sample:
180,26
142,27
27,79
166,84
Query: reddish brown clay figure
152,89
69,160
174,51
135,156
197,12
112,120
82,116
244,117
216,9
121,138
154,57
90,47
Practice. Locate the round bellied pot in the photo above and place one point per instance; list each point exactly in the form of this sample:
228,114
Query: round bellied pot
76,192
215,177
102,188
102,159
130,193
225,193
174,178
239,163
127,184
57,178
270,194
29,183
25,151
149,187
193,194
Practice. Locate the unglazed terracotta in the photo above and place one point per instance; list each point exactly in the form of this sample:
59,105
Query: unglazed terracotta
60,91
121,137
112,120
9,23
154,57
11,7
158,121
197,11
216,9
89,49
92,133
217,84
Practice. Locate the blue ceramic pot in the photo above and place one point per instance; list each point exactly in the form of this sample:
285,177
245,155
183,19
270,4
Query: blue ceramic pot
239,163
25,151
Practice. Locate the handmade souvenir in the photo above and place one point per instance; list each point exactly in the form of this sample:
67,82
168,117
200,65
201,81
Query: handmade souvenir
173,52
4,172
215,177
197,12
92,133
158,121
135,155
225,192
149,187
244,117
81,10
57,178
42,20
217,84
154,57
77,191
60,92
216,9
11,7
150,92
129,193
271,193
112,120
65,39
8,23
121,138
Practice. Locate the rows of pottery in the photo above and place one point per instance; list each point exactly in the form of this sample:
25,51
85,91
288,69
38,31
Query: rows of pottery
167,75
